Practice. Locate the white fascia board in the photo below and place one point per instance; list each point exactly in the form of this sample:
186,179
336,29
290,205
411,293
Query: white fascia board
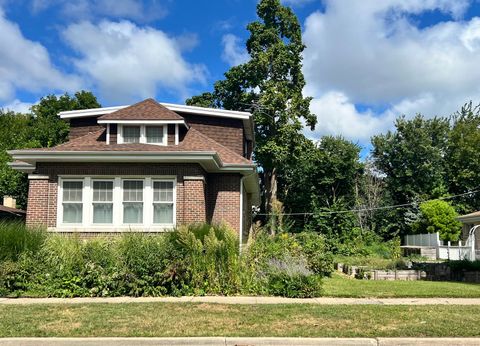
173,107
22,167
133,122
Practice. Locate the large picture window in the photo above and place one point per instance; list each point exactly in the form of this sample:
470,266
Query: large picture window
115,203
163,202
72,201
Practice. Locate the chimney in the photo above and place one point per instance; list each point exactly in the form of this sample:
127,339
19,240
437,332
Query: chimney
9,201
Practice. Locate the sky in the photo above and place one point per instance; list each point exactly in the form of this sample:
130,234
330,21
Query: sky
366,62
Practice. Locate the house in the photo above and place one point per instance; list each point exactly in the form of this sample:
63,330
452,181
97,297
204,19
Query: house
145,167
8,210
469,221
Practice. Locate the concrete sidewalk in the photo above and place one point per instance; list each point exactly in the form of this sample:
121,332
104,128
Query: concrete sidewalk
233,341
247,300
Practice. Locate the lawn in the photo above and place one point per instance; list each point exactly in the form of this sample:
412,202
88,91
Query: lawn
189,319
342,286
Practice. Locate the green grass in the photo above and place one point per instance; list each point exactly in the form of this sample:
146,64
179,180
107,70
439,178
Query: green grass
188,319
342,286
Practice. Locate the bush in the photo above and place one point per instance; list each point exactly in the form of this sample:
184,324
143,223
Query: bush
199,259
16,239
439,216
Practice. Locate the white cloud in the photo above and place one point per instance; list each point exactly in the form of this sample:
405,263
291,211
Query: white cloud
336,115
128,62
297,3
234,52
26,65
140,11
371,52
18,106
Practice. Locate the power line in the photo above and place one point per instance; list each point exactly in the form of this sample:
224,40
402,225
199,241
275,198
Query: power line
376,208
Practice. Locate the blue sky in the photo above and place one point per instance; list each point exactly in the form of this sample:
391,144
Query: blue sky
366,61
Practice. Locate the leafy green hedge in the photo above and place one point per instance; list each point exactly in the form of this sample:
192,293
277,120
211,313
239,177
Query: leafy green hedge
194,260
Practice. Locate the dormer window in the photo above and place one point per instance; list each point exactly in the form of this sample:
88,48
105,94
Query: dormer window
148,134
131,134
154,134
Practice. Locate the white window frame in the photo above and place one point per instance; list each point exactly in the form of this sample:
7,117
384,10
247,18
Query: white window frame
143,133
173,200
117,225
93,180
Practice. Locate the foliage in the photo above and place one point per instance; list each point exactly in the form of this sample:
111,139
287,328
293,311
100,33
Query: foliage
462,157
439,216
195,260
412,159
48,129
16,239
272,83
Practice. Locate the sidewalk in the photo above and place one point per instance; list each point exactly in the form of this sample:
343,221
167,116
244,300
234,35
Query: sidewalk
231,341
247,300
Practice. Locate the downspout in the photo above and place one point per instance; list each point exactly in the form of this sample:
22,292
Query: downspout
241,214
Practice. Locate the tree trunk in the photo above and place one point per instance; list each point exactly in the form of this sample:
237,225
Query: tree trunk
270,196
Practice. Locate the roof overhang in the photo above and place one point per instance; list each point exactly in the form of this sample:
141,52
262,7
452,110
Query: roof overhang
209,160
469,218
246,117
160,122
22,166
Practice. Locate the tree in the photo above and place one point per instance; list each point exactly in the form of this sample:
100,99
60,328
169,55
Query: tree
413,161
463,157
15,133
49,129
271,84
439,216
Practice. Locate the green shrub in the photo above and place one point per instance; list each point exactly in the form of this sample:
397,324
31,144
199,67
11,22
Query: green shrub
439,216
199,259
16,238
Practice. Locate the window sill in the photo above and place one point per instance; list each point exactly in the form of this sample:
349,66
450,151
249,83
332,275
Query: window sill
111,229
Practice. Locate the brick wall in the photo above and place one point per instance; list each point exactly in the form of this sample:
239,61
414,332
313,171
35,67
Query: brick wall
228,132
216,201
82,126
223,199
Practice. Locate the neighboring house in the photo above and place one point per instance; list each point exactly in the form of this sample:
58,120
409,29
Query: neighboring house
468,222
145,167
8,210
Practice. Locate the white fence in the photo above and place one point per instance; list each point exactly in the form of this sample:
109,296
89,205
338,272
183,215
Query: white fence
432,240
429,239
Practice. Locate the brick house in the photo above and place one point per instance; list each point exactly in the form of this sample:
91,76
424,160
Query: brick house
145,167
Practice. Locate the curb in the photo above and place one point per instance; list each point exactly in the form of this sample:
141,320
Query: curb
245,300
233,341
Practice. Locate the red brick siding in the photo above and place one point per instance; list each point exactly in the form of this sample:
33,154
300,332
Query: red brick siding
228,132
194,203
217,201
171,134
113,133
223,199
82,126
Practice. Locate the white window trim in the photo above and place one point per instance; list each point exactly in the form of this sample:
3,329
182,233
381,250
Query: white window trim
87,224
100,202
152,202
143,133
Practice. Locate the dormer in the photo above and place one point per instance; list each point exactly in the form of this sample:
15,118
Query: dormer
145,122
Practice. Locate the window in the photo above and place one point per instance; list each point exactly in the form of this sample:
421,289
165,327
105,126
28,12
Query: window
102,202
132,201
131,134
163,202
154,134
115,203
72,201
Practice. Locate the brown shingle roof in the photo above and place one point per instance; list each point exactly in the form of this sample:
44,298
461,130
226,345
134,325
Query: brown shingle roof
148,109
194,141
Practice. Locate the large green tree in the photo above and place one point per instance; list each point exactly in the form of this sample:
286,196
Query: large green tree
270,84
49,129
40,128
412,159
462,159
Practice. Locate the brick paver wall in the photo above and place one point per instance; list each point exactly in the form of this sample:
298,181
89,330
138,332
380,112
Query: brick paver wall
223,199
